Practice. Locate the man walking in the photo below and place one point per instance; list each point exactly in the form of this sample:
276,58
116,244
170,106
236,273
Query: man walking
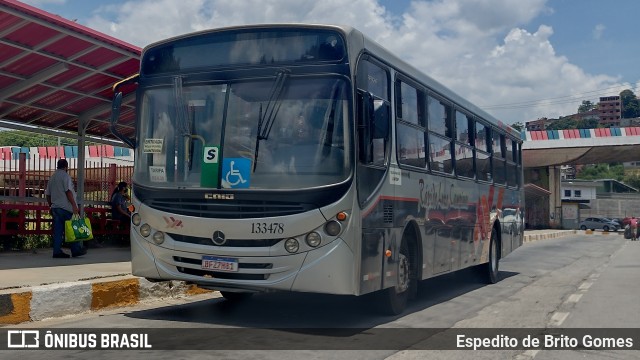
633,223
62,201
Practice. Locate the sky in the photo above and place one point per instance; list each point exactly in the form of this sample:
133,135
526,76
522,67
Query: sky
519,60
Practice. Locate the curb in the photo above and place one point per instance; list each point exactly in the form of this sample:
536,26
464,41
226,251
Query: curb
56,300
550,235
19,305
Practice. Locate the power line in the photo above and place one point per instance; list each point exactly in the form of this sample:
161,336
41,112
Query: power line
558,100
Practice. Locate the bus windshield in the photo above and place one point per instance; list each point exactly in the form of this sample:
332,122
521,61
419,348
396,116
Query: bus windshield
287,133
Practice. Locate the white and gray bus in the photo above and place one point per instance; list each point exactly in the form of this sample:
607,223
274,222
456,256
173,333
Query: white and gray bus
308,158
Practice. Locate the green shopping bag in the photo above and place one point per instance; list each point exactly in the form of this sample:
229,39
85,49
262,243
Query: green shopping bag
77,229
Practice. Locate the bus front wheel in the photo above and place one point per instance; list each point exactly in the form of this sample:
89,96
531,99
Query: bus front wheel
393,300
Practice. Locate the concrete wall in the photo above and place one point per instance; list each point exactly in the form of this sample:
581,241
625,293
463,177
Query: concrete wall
615,207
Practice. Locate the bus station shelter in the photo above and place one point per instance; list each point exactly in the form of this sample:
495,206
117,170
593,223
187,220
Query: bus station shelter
56,78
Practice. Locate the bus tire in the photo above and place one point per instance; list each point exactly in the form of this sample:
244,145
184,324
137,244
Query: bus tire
393,300
492,268
235,296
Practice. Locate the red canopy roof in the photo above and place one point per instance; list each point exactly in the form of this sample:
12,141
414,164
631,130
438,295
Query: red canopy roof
54,71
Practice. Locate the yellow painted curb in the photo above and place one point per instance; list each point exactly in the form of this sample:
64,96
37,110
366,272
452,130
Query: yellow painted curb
115,293
195,290
18,310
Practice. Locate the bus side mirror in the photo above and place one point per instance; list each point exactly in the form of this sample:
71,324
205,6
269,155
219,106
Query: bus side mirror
116,103
115,115
115,108
373,123
365,113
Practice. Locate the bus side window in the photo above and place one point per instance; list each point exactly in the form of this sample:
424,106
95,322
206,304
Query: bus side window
483,162
410,130
440,135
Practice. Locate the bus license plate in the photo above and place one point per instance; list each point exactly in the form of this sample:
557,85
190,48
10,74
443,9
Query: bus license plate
219,264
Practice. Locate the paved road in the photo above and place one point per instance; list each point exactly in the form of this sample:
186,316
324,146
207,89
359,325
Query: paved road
575,281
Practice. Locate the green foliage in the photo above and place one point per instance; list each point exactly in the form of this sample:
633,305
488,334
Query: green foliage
632,180
570,123
586,106
602,171
518,126
630,104
588,124
562,124
30,139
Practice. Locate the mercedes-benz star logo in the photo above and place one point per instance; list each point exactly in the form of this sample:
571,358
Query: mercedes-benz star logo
219,238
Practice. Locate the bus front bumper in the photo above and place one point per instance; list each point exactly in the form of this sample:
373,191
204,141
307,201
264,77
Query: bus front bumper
327,269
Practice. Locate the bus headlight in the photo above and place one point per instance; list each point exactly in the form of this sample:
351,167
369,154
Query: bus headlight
145,230
136,219
158,237
313,239
333,228
291,245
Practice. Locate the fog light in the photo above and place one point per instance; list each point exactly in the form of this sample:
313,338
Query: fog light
145,230
136,219
333,228
291,245
313,239
158,237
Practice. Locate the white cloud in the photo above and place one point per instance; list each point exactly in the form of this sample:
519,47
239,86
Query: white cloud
598,31
479,48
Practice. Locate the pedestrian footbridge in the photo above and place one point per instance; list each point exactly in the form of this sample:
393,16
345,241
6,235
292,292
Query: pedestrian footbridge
580,146
543,154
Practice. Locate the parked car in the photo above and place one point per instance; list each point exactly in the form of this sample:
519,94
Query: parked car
617,221
603,223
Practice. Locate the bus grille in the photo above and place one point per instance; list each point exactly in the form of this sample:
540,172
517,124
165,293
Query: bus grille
225,209
229,243
222,275
387,212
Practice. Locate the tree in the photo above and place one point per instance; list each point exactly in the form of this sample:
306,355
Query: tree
602,171
586,106
29,139
518,126
588,124
562,124
630,104
632,180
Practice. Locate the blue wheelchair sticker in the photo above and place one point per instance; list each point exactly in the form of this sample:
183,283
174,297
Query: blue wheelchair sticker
236,173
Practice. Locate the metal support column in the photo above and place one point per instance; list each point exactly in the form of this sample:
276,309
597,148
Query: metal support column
83,123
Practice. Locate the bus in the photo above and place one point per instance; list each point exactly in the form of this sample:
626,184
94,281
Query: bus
307,158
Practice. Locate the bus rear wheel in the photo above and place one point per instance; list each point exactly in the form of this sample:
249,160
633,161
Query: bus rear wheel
235,296
393,300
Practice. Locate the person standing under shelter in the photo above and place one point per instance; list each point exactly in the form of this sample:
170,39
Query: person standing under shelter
62,201
119,210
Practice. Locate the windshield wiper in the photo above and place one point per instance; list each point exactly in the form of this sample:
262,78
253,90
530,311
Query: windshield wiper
336,92
266,119
183,123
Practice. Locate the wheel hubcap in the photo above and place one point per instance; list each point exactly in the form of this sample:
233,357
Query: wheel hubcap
403,274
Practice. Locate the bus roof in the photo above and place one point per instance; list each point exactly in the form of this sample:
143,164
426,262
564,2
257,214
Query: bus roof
400,65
